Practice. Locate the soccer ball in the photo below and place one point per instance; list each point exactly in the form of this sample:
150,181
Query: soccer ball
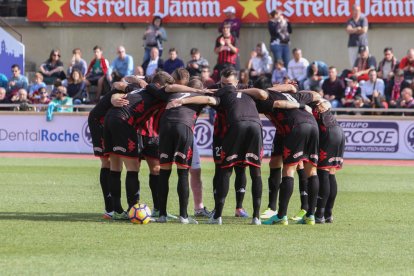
139,214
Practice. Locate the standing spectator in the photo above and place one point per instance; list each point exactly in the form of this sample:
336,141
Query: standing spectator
357,28
407,64
173,62
152,64
76,87
395,87
235,23
154,35
205,77
373,86
122,65
352,91
77,62
333,88
280,30
37,84
62,103
195,65
226,49
97,71
52,68
387,66
316,73
279,73
3,81
363,64
16,82
261,64
407,98
297,67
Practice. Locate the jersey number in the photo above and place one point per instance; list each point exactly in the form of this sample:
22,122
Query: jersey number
290,98
184,95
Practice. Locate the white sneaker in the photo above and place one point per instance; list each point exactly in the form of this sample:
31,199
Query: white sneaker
256,221
188,220
268,213
212,220
161,219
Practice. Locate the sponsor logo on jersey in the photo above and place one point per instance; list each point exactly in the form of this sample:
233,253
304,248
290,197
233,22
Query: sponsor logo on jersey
180,154
119,149
163,155
298,154
231,157
252,155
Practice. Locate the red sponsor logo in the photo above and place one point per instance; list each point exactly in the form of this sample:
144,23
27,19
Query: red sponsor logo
131,145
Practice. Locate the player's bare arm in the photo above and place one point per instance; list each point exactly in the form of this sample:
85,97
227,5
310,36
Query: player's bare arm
193,100
178,88
256,93
290,88
119,100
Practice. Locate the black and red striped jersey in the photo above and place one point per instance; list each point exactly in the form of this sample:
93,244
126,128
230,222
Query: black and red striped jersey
227,56
101,108
152,126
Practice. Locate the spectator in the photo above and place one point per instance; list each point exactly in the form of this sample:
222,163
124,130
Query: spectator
244,78
97,71
280,30
195,65
357,28
407,98
154,35
279,73
395,87
43,99
387,66
16,82
297,67
363,64
205,76
122,65
62,103
52,68
139,71
173,62
316,73
3,98
333,88
235,23
77,62
3,81
22,99
407,64
261,64
37,84
226,49
374,86
76,87
352,91
154,63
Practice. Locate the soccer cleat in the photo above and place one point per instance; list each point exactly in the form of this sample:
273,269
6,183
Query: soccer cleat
188,220
155,213
241,213
161,219
276,220
108,215
329,219
268,213
256,221
203,212
307,220
299,215
170,216
120,216
212,220
320,220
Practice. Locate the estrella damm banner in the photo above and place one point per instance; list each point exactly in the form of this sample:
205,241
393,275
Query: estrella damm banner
211,11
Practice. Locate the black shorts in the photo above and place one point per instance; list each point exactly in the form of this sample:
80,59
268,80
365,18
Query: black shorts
301,144
97,129
148,147
277,146
217,148
242,145
120,137
176,144
331,148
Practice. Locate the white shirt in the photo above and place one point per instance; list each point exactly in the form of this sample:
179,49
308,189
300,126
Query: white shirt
152,66
297,70
368,88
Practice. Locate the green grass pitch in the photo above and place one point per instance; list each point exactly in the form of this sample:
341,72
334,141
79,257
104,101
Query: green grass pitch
50,223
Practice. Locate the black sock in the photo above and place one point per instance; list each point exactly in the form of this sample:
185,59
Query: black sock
183,191
324,190
274,184
303,189
240,185
332,195
216,179
104,180
115,188
222,191
313,188
257,186
286,190
132,188
153,183
163,189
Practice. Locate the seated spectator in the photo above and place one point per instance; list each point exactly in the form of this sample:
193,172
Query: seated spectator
43,99
97,71
297,67
173,62
363,64
37,84
244,78
359,103
3,81
62,103
407,98
226,48
22,99
352,91
3,98
76,87
205,76
77,62
333,88
279,73
316,73
155,62
52,68
139,71
387,66
16,82
122,65
374,84
395,87
407,64
261,64
196,64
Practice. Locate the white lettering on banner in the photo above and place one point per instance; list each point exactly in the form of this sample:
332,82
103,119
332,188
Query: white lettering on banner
307,8
187,8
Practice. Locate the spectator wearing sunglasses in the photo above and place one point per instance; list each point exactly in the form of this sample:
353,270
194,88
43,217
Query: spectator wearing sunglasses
52,68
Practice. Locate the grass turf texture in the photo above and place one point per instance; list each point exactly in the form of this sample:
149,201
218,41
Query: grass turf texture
50,223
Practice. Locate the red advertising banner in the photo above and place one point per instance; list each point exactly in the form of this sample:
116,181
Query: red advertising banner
211,11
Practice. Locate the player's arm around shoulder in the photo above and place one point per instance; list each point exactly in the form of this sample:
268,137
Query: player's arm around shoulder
256,93
200,100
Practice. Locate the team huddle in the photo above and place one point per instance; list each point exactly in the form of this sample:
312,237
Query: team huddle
154,122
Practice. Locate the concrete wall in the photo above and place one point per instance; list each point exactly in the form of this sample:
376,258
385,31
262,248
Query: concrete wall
318,42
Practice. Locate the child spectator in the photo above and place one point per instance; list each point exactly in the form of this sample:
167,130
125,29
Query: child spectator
279,73
43,99
37,84
352,91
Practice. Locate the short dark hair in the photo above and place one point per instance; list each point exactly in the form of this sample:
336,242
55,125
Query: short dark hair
162,78
181,74
196,83
97,47
331,67
15,66
295,50
386,49
194,51
155,18
262,83
172,50
273,13
228,72
372,69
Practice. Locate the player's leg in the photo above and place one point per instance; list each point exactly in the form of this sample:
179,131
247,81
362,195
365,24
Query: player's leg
115,183
222,191
257,185
323,195
132,181
332,196
240,188
313,190
154,169
197,185
104,181
303,191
